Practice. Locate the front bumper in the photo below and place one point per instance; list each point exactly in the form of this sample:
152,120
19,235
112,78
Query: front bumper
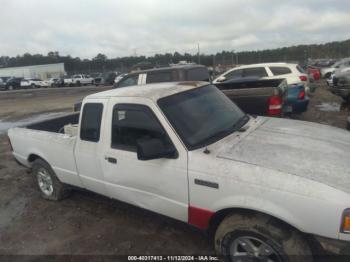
332,246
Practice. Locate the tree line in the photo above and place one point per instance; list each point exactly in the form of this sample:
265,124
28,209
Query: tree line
101,63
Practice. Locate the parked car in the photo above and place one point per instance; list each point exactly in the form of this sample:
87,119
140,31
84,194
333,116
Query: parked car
54,82
293,73
33,83
13,83
105,79
329,80
118,78
2,84
184,150
79,80
5,78
341,85
256,96
297,101
314,72
340,66
165,74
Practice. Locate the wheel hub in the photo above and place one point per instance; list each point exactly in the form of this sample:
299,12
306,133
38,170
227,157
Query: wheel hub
248,248
45,181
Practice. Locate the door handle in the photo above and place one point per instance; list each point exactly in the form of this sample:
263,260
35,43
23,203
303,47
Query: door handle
111,159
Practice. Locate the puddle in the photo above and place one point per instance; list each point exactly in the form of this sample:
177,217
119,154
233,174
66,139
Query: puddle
329,107
5,125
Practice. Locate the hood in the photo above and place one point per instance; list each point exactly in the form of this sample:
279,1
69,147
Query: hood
309,150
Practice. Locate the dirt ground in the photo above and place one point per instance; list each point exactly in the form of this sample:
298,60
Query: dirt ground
89,224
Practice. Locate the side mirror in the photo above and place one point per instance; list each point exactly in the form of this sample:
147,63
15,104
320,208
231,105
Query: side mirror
148,149
221,79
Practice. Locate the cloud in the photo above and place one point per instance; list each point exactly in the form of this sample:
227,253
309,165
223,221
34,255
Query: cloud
118,28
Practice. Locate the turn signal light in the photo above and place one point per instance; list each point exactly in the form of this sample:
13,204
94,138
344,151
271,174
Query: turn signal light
345,224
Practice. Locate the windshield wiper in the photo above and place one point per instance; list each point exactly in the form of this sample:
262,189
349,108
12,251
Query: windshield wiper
241,122
220,134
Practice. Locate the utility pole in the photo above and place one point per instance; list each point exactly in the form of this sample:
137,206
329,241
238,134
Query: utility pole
199,55
236,59
232,53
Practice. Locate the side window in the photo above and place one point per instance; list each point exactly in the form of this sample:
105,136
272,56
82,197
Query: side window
254,72
198,74
159,77
279,70
131,123
129,81
91,122
234,74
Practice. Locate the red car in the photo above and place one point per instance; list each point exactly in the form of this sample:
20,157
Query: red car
314,72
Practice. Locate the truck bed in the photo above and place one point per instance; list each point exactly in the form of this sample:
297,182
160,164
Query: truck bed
55,125
252,95
46,140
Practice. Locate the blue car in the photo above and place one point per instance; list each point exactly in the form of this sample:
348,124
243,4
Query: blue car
297,101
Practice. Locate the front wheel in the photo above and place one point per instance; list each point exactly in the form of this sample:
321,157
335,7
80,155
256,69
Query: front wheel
49,185
259,238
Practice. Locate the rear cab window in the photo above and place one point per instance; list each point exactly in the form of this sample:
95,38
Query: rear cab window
159,77
90,127
234,74
255,72
129,81
280,70
198,74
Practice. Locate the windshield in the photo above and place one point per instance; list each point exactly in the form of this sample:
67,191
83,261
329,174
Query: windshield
202,116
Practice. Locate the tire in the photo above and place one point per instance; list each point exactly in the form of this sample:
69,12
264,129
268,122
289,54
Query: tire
238,232
326,76
57,190
10,87
32,85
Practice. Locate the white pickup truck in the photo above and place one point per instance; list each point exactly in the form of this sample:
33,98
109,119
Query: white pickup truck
79,80
268,188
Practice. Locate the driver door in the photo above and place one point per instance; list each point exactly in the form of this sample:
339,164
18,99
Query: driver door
159,185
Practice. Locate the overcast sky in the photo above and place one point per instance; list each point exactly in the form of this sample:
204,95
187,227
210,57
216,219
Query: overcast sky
120,28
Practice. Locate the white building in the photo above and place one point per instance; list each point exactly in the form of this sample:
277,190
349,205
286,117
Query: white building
43,72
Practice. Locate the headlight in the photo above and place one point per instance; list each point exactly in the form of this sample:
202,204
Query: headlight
345,222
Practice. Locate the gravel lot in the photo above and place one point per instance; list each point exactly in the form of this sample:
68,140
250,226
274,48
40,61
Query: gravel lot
88,224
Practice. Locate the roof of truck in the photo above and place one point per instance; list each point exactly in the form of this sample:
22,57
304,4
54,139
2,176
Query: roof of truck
152,91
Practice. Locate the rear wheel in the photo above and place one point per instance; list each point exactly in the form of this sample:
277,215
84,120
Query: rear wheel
259,238
49,185
10,87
